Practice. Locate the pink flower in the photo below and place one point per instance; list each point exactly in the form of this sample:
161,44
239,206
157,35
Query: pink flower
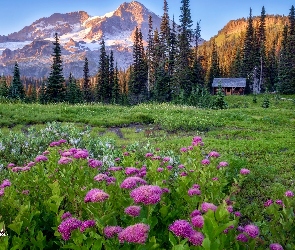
183,150
10,165
230,209
132,182
237,214
196,238
165,190
196,186
215,179
193,192
166,159
25,192
251,230
182,174
222,164
81,154
93,163
133,211
268,203
169,167
275,246
101,177
67,226
198,221
1,192
114,169
87,224
111,231
131,171
66,215
46,152
126,153
64,160
118,159
54,144
197,140
40,158
205,162
146,194
137,233
148,155
214,154
242,238
5,183
289,193
244,171
96,195
280,202
181,228
160,169
31,164
181,166
206,206
195,213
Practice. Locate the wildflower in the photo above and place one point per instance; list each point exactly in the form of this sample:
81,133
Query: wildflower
146,194
111,180
86,224
23,169
196,186
206,206
5,183
64,160
165,190
183,150
205,162
118,159
181,228
289,193
17,169
126,153
111,231
275,246
215,179
166,159
222,164
182,174
198,221
137,233
240,229
133,211
244,171
114,169
169,167
100,177
156,158
160,169
148,155
66,215
194,191
242,238
131,171
197,140
61,141
181,166
93,163
1,192
41,158
251,230
190,148
132,182
31,164
25,192
195,213
214,154
225,231
54,144
10,165
268,203
81,154
96,195
196,238
280,202
46,152
67,226
237,214
230,209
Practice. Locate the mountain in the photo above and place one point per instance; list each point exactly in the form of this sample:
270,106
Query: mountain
80,36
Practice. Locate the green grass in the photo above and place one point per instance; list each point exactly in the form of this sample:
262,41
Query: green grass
246,135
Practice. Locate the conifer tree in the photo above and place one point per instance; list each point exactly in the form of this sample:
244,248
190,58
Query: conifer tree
4,90
74,94
271,74
111,74
149,56
116,92
214,70
55,90
16,90
42,97
165,36
172,49
138,91
86,83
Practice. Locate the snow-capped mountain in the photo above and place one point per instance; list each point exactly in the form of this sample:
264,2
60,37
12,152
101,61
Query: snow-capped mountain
80,36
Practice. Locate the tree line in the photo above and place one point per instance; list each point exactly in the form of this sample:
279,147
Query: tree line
171,68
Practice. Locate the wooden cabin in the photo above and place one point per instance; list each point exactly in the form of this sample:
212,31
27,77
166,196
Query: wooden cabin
230,86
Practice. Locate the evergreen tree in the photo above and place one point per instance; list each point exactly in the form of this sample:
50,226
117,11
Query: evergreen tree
55,90
219,99
116,92
138,91
4,90
172,49
165,36
42,97
236,67
31,95
214,70
271,74
103,75
16,90
149,56
74,94
183,72
88,97
111,74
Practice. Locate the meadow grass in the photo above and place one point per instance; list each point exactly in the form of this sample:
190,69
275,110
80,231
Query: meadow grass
247,135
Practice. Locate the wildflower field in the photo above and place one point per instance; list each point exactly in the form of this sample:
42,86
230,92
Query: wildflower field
152,176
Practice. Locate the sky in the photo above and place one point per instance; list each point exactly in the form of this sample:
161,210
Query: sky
213,15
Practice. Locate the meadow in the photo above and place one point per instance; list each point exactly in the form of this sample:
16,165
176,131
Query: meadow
221,179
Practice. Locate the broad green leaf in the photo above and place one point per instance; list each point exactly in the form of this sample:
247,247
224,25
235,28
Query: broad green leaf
172,239
206,244
16,227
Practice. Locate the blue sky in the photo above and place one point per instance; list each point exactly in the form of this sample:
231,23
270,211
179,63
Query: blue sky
214,15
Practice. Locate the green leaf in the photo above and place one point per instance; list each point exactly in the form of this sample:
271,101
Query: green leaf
16,227
172,239
164,211
206,244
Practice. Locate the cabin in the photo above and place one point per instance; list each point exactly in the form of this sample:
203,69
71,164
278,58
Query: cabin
230,86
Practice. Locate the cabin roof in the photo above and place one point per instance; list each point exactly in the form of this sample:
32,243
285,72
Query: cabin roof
229,82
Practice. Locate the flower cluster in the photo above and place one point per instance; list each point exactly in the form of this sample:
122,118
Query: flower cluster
93,163
133,211
132,182
111,231
96,195
5,183
86,224
67,226
147,194
208,206
137,233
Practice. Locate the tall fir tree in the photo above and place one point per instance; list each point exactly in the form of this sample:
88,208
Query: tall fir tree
103,88
87,92
4,89
165,36
214,70
172,49
55,90
16,90
111,74
149,56
42,96
138,91
116,92
74,94
271,74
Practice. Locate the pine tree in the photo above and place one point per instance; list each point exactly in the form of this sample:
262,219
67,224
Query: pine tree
149,56
111,75
138,91
103,75
219,99
4,90
172,49
74,94
116,92
214,70
165,36
271,74
16,90
42,97
55,90
86,83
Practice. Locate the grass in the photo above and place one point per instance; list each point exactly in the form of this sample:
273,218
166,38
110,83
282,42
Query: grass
247,135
